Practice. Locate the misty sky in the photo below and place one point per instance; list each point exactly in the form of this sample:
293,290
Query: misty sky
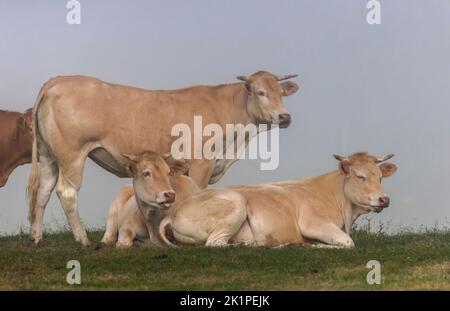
381,88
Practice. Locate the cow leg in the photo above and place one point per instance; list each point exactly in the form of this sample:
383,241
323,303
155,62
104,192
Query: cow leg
323,245
126,237
67,187
329,234
111,231
230,216
212,222
47,181
201,171
125,196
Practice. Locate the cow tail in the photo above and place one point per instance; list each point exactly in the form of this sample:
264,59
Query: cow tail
34,178
167,221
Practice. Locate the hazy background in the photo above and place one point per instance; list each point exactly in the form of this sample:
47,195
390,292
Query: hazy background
381,88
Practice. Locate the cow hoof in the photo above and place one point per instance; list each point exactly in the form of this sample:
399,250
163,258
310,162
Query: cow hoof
33,235
86,244
84,241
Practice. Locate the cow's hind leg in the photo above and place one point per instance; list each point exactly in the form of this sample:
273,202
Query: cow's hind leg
112,224
230,215
67,187
47,180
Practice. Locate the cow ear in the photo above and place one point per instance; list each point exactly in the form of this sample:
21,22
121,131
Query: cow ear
344,167
387,169
344,164
131,169
248,87
22,123
178,167
289,88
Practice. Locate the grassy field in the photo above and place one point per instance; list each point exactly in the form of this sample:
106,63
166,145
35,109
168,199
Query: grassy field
410,261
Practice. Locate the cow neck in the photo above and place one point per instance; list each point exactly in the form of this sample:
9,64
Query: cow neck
152,217
10,156
349,211
334,190
237,106
19,156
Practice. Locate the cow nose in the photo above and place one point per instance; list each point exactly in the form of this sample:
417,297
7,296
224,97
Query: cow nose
384,201
284,119
169,196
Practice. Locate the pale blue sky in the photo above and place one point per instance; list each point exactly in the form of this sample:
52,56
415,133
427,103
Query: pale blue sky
383,88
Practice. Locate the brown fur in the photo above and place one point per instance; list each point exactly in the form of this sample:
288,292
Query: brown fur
15,142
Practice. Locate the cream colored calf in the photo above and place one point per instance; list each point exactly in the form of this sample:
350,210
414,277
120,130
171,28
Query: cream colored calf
126,223
317,210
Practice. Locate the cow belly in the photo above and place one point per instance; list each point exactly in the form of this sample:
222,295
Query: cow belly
106,160
219,167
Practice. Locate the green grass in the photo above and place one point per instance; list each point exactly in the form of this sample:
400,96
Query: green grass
408,260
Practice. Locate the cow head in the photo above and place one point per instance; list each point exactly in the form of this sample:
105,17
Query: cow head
265,97
363,174
24,132
151,173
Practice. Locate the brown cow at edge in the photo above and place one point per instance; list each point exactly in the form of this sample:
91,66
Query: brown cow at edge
16,139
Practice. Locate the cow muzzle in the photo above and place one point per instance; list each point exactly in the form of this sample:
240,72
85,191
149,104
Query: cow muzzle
384,201
379,202
284,120
165,198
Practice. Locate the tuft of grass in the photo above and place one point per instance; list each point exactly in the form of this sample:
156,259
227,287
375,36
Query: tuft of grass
409,261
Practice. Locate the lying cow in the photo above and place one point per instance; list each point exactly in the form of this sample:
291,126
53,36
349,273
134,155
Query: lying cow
320,209
125,222
16,139
79,117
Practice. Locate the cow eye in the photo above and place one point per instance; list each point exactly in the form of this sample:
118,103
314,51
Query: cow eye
146,174
261,93
361,178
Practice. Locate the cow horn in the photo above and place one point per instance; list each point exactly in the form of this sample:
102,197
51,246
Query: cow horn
242,78
132,158
338,157
285,77
385,158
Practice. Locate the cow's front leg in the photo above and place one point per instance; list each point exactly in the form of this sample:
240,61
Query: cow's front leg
328,233
200,171
323,245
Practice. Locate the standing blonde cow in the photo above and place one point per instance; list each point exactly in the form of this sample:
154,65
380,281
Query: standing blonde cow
79,117
321,209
